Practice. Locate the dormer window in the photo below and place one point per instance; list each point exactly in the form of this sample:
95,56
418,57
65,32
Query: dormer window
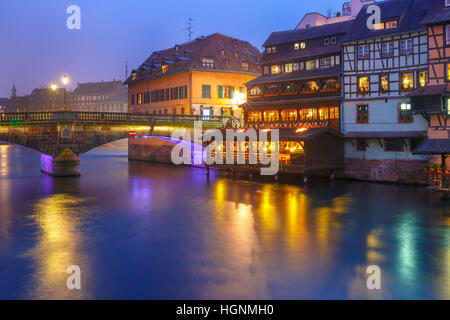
326,41
208,63
385,25
270,50
333,40
299,45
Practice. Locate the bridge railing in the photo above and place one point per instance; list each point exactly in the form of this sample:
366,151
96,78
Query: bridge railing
224,121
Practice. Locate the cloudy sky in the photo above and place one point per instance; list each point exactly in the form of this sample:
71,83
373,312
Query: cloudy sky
37,48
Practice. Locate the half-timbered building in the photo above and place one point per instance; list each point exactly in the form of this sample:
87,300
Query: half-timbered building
300,89
381,66
432,101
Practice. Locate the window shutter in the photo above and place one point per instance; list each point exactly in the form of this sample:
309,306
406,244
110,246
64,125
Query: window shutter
220,92
232,92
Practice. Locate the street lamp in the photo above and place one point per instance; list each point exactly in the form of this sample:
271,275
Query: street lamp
65,81
54,87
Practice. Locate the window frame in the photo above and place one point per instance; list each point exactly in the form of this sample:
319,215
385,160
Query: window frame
365,56
358,121
399,113
407,51
206,88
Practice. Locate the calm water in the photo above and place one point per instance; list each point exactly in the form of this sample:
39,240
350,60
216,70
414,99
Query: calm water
139,230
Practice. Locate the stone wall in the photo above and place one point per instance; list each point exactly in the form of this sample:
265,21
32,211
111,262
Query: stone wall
150,149
399,171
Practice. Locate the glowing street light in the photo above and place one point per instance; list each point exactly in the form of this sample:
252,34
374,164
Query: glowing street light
54,87
65,81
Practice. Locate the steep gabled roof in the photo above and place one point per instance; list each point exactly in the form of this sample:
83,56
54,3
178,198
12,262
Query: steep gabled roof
409,14
295,35
187,56
438,13
97,87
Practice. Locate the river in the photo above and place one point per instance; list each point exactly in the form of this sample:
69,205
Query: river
147,231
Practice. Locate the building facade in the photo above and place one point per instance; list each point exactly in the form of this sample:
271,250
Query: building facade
3,104
432,102
380,68
104,96
203,77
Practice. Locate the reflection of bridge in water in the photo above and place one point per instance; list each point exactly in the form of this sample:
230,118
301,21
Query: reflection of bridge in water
61,137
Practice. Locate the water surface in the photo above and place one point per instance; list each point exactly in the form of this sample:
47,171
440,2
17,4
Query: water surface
146,231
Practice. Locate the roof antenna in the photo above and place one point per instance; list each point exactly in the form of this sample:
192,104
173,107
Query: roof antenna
189,28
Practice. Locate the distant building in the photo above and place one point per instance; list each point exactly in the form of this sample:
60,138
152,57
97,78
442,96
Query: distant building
46,100
350,10
18,104
205,76
104,96
3,104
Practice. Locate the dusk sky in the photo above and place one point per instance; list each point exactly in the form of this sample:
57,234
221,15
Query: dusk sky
37,48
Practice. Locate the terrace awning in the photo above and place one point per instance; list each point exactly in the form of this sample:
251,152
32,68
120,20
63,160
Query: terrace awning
434,147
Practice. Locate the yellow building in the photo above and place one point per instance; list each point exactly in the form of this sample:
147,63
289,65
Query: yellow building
203,77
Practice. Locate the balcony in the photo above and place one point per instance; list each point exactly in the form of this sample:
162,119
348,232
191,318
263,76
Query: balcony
292,96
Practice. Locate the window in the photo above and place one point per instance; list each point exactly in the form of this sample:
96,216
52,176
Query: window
406,47
269,50
361,145
274,49
272,90
139,98
391,24
325,62
132,99
275,69
228,92
254,116
208,63
255,91
387,49
288,67
295,66
423,78
447,34
326,41
310,65
206,91
363,52
270,116
289,115
333,40
407,81
384,83
310,87
362,114
245,66
378,26
395,145
266,70
330,85
309,114
364,85
404,113
164,68
323,114
299,45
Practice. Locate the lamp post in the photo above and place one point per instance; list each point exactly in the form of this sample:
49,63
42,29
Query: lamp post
65,81
53,87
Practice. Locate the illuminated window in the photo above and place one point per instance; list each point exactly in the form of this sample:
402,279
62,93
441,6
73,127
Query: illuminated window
254,116
289,115
404,112
164,68
309,114
378,26
334,112
269,50
384,83
387,49
423,78
408,81
275,69
391,24
311,65
448,71
362,114
363,51
325,62
310,86
139,98
330,84
323,114
270,116
133,76
255,91
406,47
302,45
208,63
364,85
288,67
296,46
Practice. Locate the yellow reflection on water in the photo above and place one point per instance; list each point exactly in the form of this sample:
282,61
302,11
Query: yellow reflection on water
4,159
59,246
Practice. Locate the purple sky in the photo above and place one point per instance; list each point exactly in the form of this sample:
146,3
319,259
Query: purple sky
37,48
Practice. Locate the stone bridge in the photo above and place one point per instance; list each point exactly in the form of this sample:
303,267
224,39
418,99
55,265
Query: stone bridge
61,137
